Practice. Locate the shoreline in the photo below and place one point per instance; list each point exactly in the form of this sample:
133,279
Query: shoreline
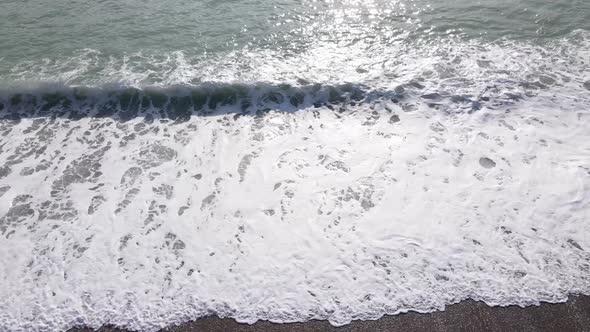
468,315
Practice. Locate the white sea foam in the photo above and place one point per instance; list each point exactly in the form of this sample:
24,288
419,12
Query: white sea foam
476,185
380,65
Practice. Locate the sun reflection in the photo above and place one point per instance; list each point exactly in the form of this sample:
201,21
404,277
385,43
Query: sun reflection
347,22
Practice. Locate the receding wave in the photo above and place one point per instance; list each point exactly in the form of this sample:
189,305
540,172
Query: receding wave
442,61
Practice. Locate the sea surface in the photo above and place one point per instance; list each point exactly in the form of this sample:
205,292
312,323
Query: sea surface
161,161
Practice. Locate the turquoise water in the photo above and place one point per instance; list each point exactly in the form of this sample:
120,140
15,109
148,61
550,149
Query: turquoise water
92,41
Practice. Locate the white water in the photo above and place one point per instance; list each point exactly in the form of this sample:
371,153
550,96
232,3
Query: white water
310,214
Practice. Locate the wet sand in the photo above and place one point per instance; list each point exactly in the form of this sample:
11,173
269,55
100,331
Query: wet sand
574,315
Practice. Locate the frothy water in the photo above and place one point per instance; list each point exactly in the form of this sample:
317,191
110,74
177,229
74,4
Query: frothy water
353,172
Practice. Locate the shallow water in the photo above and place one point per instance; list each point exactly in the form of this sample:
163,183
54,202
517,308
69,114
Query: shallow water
289,160
150,42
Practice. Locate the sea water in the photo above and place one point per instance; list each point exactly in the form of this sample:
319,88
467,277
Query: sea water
289,160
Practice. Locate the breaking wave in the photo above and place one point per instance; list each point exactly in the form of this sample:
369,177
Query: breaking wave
290,188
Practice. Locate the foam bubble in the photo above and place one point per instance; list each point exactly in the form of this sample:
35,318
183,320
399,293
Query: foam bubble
456,181
442,61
